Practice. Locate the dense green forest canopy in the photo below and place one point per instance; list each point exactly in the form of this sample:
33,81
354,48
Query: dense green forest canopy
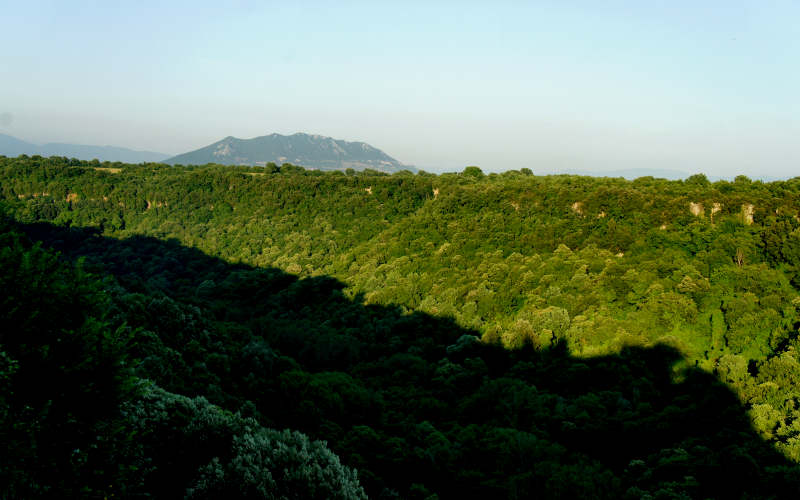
280,332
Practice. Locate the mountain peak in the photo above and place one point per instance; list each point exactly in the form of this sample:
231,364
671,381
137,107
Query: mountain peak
312,151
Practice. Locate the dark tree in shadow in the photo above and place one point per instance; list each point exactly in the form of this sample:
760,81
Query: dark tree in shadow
417,403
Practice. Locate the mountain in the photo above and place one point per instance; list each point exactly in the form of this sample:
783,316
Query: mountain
102,153
11,146
310,151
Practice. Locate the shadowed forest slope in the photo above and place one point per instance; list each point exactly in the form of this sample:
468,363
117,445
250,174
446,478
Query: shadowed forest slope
416,403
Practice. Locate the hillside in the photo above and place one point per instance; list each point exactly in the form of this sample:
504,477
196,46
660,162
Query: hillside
11,147
310,151
461,335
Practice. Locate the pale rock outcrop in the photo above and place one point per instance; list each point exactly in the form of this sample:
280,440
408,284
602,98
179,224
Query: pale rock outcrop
715,209
747,213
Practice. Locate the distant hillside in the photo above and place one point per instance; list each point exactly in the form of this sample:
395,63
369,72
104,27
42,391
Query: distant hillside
310,151
11,146
636,173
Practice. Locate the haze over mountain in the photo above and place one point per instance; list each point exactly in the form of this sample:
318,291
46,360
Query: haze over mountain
308,150
11,146
637,173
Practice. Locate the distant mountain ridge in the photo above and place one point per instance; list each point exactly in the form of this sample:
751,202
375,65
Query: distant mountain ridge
308,150
11,146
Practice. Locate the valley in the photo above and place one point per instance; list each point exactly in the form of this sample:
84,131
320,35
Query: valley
444,336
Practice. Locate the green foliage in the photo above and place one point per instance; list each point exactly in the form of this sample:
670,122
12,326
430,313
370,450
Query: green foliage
458,335
699,180
193,448
474,172
63,375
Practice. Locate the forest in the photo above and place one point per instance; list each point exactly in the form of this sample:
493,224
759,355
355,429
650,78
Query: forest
237,332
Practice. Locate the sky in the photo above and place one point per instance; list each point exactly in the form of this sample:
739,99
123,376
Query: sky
709,86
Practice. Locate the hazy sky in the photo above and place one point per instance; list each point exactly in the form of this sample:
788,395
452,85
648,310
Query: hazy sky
692,86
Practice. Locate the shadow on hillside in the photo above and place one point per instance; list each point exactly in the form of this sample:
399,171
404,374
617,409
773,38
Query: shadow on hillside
416,402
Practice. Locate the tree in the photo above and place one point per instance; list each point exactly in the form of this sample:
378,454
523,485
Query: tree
198,450
474,172
699,180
